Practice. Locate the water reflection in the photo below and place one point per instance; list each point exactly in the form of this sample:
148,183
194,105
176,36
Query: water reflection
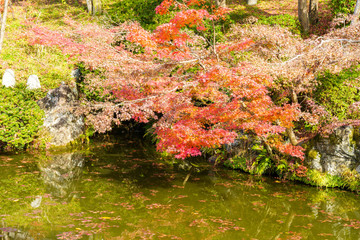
123,191
60,173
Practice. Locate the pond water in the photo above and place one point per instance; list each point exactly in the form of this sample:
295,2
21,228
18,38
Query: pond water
123,190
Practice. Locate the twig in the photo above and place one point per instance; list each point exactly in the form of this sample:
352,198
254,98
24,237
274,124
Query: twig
320,45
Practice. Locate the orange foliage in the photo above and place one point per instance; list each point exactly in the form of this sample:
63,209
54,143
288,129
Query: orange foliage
205,108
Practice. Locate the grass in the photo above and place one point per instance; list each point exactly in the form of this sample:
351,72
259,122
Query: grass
283,13
50,64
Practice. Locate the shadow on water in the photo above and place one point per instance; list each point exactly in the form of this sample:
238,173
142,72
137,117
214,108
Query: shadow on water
123,189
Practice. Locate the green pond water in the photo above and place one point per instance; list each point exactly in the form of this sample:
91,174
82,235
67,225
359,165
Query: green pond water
124,190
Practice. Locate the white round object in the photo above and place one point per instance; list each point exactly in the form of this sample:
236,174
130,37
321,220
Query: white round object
8,79
33,82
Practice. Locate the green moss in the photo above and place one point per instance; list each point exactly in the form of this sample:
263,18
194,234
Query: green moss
82,142
284,20
349,180
336,92
356,136
296,172
313,154
352,139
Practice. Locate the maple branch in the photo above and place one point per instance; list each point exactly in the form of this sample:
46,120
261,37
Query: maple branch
319,46
214,41
199,59
99,106
152,62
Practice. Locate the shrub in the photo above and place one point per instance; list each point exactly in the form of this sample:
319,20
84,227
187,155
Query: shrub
20,117
142,11
342,6
337,92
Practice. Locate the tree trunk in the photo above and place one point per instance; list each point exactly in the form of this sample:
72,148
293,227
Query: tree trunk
292,137
313,11
290,131
94,6
97,6
89,6
355,16
3,23
303,15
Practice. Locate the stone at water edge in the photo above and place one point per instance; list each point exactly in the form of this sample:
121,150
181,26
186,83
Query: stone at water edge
8,79
337,153
61,124
33,82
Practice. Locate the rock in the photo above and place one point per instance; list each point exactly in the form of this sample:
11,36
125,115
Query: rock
76,73
33,82
8,79
336,153
61,124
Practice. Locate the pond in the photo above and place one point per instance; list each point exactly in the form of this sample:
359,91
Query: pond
124,190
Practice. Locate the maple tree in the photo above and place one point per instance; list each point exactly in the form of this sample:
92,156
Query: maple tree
186,82
297,63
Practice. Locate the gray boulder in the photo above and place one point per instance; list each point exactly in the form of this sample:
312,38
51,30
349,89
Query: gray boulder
76,73
335,154
33,82
8,79
61,123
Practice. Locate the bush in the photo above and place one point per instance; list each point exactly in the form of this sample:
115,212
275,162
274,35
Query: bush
20,117
342,6
142,11
336,92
